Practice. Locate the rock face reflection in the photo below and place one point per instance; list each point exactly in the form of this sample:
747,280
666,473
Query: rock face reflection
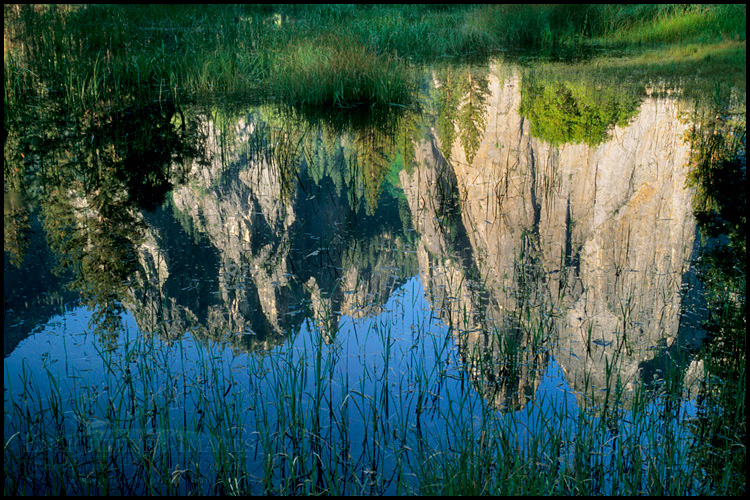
526,243
603,232
246,220
275,255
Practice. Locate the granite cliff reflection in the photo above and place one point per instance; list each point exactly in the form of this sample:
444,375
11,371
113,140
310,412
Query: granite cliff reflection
285,229
588,242
527,248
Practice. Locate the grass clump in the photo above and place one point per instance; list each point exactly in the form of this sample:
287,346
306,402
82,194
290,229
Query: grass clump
334,71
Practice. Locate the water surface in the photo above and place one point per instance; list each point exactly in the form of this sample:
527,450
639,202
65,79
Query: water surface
260,289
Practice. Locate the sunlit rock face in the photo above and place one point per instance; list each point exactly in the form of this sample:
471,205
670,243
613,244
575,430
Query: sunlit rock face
611,226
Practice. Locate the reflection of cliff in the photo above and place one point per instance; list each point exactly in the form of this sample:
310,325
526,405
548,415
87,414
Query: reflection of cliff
610,230
266,253
495,340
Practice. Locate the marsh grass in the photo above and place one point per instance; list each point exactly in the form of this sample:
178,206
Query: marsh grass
316,55
335,71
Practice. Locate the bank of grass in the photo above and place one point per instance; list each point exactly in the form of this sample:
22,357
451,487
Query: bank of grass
696,72
327,55
654,24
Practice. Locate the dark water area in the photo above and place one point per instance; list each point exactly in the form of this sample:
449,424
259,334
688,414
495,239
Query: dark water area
499,280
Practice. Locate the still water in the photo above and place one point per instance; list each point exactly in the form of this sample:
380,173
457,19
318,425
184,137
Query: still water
267,300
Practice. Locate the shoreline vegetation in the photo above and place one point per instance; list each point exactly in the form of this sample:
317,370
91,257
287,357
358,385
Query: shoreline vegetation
102,63
342,55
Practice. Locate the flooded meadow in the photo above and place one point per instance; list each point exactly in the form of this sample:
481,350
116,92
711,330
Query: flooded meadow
513,282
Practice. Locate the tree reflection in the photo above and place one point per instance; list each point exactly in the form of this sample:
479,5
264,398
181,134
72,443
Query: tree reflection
581,112
15,227
99,169
359,151
719,172
461,102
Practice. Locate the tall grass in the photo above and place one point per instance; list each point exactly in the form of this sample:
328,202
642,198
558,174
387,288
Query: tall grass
319,55
337,72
